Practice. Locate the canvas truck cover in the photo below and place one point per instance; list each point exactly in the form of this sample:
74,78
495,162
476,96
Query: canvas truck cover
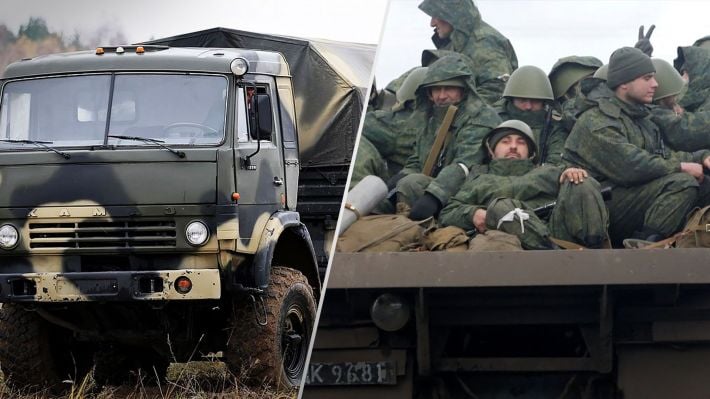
330,80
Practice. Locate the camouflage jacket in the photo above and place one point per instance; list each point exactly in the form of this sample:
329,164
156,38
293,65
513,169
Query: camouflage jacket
491,54
392,134
472,122
536,120
368,161
685,132
618,142
697,61
501,178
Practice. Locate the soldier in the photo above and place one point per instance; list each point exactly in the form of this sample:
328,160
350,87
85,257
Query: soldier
458,27
614,139
682,130
448,81
528,97
694,64
567,77
368,161
502,193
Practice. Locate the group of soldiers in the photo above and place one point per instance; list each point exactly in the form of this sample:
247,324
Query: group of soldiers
587,155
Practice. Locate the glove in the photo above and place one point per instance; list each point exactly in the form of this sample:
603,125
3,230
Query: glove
426,206
644,43
392,182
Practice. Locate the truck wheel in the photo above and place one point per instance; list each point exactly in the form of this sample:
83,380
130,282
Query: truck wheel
275,353
35,354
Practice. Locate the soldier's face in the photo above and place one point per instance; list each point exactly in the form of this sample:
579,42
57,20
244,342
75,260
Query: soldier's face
442,28
512,146
445,95
528,104
640,90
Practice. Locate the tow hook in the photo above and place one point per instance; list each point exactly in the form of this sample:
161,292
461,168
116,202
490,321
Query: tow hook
256,310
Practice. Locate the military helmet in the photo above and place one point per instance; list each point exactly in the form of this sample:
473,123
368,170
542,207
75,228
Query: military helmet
703,42
512,124
569,70
529,82
452,69
601,72
408,89
669,81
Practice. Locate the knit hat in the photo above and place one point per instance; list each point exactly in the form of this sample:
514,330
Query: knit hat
627,64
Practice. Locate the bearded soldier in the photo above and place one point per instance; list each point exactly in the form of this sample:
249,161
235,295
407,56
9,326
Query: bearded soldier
432,175
502,193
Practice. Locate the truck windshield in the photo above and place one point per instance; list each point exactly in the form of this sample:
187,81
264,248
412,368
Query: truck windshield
71,111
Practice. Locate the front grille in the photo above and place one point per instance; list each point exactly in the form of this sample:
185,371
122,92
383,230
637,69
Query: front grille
128,234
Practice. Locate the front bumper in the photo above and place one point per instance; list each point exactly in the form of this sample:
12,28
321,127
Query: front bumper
108,286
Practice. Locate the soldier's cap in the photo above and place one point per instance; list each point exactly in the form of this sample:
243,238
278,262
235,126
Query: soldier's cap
511,126
456,82
627,64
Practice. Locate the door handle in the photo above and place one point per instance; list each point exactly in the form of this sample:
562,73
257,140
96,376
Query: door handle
278,181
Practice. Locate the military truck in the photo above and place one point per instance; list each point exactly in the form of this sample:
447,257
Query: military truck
616,323
150,206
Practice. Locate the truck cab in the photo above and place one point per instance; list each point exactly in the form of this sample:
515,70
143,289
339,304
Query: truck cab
148,202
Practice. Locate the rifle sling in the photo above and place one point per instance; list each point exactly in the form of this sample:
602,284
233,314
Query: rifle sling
439,140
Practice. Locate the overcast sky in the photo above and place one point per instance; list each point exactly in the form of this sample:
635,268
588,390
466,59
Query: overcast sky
343,20
542,31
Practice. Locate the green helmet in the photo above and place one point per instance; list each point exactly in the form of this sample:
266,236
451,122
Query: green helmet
408,89
703,42
569,70
601,72
669,81
529,82
512,124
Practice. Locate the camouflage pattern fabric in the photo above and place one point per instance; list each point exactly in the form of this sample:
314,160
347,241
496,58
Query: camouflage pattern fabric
648,190
683,132
473,120
536,120
491,54
390,132
368,161
506,184
696,60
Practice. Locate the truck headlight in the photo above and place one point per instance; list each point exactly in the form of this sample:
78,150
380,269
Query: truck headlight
8,236
390,312
239,66
197,233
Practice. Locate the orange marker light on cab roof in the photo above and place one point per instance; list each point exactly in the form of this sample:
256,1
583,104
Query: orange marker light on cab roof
235,196
99,50
140,50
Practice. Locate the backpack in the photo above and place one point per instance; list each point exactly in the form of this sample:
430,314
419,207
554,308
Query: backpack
381,233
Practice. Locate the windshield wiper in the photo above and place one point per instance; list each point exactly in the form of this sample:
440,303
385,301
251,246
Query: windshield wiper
147,140
38,143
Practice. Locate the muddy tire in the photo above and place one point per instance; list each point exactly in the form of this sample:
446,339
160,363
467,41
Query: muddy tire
273,354
34,354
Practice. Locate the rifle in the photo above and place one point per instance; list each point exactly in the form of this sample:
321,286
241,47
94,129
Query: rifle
544,211
544,135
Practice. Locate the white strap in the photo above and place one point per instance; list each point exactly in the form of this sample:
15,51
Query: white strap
510,216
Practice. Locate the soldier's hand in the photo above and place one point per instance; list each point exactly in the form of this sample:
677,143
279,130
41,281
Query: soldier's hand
644,41
574,175
693,169
479,220
426,206
706,163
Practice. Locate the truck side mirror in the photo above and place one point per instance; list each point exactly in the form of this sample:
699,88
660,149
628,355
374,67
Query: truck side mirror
265,124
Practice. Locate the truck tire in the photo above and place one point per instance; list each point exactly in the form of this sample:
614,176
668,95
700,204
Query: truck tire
35,354
274,354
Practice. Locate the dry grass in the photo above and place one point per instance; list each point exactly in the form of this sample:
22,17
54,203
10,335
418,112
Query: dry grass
193,380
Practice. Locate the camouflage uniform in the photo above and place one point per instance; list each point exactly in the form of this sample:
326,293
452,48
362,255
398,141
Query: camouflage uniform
536,120
620,146
491,54
505,184
473,120
696,60
689,131
368,161
389,132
